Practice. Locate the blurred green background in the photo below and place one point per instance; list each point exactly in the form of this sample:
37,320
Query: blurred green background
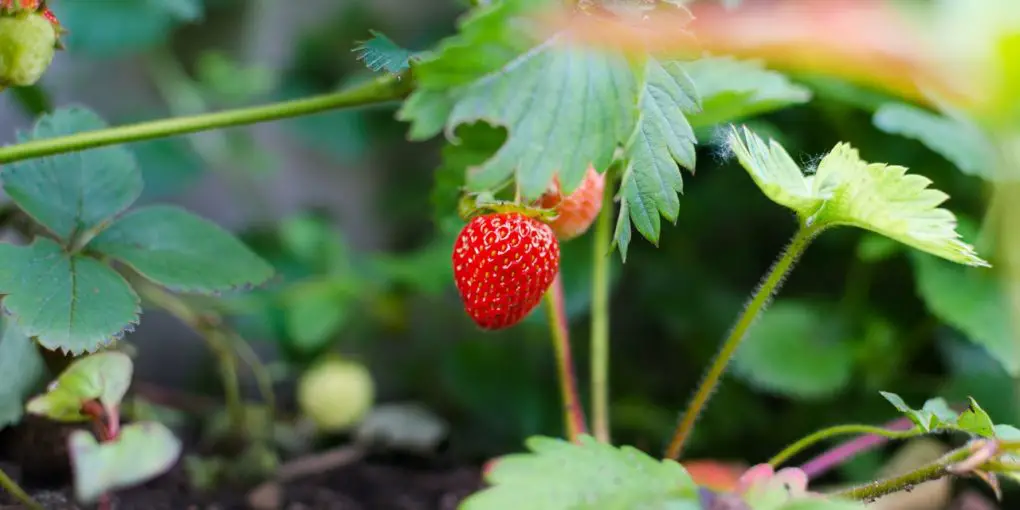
342,206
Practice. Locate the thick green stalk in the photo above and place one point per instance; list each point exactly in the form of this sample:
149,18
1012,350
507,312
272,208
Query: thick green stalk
600,315
380,90
573,414
12,487
769,286
839,430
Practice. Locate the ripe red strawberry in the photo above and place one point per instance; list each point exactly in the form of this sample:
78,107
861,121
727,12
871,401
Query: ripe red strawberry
578,210
503,263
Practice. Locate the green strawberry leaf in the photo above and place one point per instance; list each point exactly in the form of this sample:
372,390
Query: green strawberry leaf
141,452
23,368
551,130
74,195
103,376
381,53
937,416
663,139
732,90
69,302
314,312
116,28
957,140
795,350
558,475
485,42
181,251
973,302
846,190
934,415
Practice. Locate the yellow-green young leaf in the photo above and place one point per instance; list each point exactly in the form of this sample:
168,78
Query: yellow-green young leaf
67,302
732,90
142,452
77,193
937,416
559,475
845,190
104,377
181,251
23,369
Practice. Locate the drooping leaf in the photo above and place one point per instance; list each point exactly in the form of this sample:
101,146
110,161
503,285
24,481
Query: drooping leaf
23,368
796,350
663,139
732,90
565,107
104,376
559,475
77,193
846,190
381,53
487,40
961,143
974,302
143,451
181,251
116,28
69,302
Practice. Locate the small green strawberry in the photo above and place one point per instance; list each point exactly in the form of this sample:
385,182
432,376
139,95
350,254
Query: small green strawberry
28,41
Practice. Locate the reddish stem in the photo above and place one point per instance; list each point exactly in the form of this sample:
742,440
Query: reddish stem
573,413
107,428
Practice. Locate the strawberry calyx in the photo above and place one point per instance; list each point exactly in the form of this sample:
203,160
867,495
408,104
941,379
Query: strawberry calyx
475,204
12,8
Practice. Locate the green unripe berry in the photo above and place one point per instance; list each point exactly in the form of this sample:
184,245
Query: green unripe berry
336,394
27,44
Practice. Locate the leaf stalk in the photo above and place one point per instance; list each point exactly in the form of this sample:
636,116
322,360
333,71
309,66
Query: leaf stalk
840,430
771,284
601,250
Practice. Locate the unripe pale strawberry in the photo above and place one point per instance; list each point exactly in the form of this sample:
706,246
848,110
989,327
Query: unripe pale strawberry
577,211
336,394
503,263
28,41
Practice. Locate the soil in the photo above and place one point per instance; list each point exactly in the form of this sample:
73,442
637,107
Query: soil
370,484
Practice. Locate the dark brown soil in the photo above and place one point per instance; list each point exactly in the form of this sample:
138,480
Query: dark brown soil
371,484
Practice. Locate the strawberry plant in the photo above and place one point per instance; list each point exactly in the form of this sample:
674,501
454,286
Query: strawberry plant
565,127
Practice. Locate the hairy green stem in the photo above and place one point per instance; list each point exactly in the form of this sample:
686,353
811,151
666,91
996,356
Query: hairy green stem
906,481
380,90
15,490
573,413
768,288
839,430
600,314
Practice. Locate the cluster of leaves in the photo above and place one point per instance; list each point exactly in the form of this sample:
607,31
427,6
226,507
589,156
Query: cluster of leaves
123,456
526,87
60,289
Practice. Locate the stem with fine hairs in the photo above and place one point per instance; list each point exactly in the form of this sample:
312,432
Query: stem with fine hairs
573,414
